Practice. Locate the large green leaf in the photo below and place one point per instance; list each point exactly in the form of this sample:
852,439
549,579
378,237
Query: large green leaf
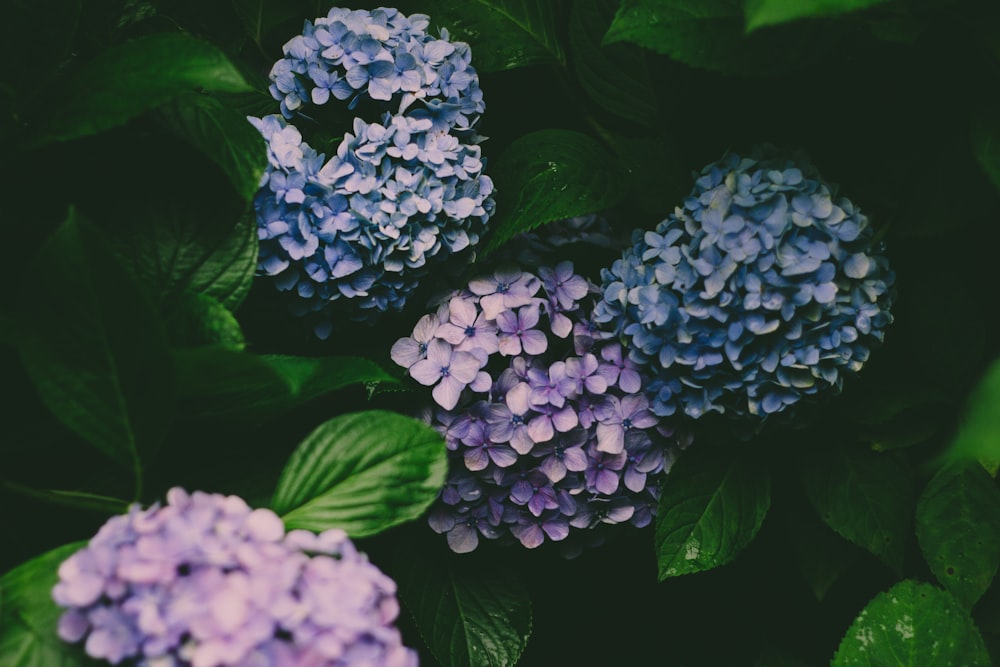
710,34
760,13
219,382
615,76
710,509
223,135
551,175
864,496
821,555
470,614
96,352
198,320
503,34
127,80
363,472
958,527
259,16
979,434
913,624
986,142
29,617
177,252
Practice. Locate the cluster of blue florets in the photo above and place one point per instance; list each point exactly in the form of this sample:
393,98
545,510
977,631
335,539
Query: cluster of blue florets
546,422
205,581
401,193
763,288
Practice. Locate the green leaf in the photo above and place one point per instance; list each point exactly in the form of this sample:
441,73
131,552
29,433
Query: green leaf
223,383
29,617
259,16
616,76
821,555
75,499
958,527
363,472
865,497
175,253
986,142
710,34
760,13
979,434
503,34
224,136
470,614
127,80
913,624
710,509
551,175
96,352
197,320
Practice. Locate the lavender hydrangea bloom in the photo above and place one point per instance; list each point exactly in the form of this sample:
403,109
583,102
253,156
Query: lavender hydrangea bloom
562,439
763,288
205,581
401,194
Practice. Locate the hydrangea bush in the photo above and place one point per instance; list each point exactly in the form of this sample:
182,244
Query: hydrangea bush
205,581
175,268
545,420
353,234
763,288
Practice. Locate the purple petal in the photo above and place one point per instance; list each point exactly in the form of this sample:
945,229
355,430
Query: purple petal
447,392
462,539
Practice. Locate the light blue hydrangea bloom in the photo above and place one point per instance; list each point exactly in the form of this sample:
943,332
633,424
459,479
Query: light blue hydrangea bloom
365,224
355,233
763,288
205,580
383,56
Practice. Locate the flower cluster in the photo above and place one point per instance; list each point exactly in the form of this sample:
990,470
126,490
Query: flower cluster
764,287
205,581
546,422
401,193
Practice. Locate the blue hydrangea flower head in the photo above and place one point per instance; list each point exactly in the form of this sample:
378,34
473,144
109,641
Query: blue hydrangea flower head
763,288
548,429
382,56
206,581
366,224
353,234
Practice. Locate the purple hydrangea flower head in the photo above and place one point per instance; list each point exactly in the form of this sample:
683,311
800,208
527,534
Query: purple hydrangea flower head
561,438
763,288
354,232
206,581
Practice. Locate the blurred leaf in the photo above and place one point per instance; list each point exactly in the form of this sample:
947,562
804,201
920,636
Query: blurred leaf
551,175
822,556
225,136
198,320
96,352
865,497
503,34
362,472
986,142
760,13
710,34
710,510
979,434
176,253
259,16
470,614
218,382
127,80
29,617
76,499
913,624
616,76
958,527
